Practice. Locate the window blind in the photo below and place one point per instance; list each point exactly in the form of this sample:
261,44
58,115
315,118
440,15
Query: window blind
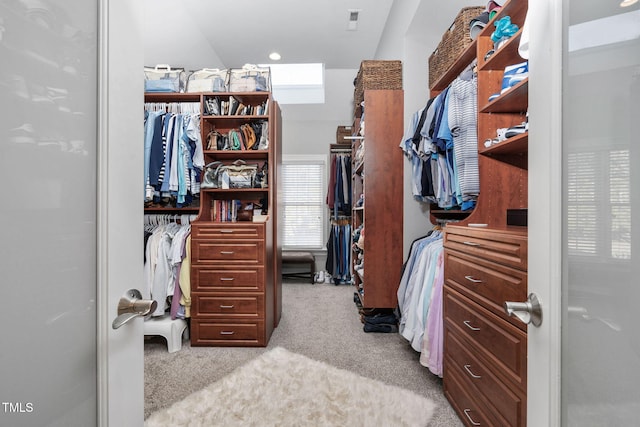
303,196
599,204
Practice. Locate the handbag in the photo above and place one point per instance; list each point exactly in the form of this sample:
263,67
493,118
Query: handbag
217,141
210,175
237,175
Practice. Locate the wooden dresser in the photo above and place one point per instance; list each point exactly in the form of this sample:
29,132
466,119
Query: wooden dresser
232,290
485,365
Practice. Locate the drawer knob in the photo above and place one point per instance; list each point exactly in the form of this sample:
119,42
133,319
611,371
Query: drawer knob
466,413
473,279
226,279
226,306
226,332
468,369
227,252
468,324
471,243
527,312
226,231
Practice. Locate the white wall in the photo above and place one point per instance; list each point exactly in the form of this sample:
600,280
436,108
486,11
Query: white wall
398,44
310,128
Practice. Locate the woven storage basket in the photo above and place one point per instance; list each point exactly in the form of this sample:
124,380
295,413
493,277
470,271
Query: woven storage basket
341,133
453,42
377,75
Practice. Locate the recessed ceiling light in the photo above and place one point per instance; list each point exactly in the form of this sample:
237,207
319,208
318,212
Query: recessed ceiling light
625,3
274,56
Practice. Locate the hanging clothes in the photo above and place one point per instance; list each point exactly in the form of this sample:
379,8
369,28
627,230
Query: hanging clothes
441,143
173,153
339,189
420,300
166,267
338,263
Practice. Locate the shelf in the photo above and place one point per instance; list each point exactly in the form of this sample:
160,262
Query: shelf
171,97
243,117
465,58
236,154
515,145
515,100
241,96
172,210
505,55
234,190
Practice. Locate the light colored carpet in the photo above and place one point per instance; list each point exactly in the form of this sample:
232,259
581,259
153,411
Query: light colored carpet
287,389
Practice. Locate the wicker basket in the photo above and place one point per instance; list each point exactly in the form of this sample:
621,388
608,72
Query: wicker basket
453,43
377,75
341,133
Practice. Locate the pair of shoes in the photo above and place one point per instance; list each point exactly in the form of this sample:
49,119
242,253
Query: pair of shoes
383,327
382,318
489,142
516,130
513,74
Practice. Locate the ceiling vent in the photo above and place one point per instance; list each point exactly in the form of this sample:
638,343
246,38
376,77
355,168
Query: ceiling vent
353,19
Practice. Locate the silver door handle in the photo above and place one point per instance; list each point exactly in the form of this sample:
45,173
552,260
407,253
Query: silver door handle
527,312
131,305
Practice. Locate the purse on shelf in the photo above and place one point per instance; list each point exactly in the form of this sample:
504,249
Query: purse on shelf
217,141
239,174
241,139
210,175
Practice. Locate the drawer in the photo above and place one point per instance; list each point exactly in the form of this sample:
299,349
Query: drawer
501,247
208,279
227,252
221,333
496,340
488,283
233,230
507,406
470,411
204,305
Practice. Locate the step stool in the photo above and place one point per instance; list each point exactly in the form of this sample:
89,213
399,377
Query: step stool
171,330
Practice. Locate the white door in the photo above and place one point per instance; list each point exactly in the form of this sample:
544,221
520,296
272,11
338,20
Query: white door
584,361
70,212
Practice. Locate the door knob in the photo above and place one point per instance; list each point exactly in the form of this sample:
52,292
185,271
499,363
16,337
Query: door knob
527,312
132,305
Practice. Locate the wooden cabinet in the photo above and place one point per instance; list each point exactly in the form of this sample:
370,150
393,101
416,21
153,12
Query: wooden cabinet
485,350
235,271
485,365
377,175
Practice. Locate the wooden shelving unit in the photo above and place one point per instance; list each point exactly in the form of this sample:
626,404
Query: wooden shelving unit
378,175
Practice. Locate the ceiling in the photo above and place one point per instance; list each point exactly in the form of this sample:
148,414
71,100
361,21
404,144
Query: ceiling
227,34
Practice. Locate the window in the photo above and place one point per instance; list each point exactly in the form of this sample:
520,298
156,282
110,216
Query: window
297,83
303,201
599,204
